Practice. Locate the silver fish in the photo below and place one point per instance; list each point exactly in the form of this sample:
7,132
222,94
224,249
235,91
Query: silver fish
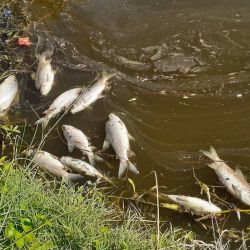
91,94
118,136
194,205
77,139
82,167
234,181
45,74
8,93
51,164
61,103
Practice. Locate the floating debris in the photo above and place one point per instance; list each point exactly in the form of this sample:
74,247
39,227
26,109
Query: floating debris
24,41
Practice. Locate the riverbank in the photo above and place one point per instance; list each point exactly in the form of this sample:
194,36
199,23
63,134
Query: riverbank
43,214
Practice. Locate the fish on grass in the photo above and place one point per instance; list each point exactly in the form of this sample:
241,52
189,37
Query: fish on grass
117,135
45,74
51,164
194,205
77,139
8,93
82,167
234,181
91,94
62,102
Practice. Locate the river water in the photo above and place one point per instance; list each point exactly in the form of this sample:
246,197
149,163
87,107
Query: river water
183,85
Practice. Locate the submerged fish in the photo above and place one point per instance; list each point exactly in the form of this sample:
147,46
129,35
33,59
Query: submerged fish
118,136
51,164
8,93
77,139
194,205
82,167
91,94
234,181
61,103
45,74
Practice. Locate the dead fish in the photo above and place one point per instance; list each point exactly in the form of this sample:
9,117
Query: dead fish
82,167
91,94
234,181
51,164
118,136
45,74
77,139
61,103
8,93
195,205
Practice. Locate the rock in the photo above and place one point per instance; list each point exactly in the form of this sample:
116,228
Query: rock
175,62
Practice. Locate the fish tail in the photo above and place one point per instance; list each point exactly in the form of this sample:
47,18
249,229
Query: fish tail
93,158
126,165
212,154
47,54
73,177
132,168
213,165
106,76
44,121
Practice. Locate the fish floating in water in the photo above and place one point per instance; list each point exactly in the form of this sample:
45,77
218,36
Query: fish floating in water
45,74
194,205
234,181
51,164
8,93
61,103
82,167
77,139
118,136
91,94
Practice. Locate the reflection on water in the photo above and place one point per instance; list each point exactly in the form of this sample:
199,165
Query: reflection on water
183,85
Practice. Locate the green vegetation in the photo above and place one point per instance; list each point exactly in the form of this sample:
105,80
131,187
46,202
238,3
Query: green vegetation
38,214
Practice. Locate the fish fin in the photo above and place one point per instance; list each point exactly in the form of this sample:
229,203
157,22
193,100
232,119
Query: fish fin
106,76
126,165
238,215
73,177
236,190
89,107
93,148
212,154
122,168
101,96
44,121
16,99
213,165
131,137
70,148
93,158
106,144
239,172
131,153
132,168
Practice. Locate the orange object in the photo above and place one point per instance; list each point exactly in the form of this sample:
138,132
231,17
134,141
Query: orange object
24,41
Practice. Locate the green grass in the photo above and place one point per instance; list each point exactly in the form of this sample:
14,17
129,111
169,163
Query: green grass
41,214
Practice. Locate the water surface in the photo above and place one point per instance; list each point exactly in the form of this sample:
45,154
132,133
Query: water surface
183,85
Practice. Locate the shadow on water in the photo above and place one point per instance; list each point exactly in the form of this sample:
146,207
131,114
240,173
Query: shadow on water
183,85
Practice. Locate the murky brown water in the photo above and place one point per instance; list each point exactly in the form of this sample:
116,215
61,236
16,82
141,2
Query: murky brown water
184,85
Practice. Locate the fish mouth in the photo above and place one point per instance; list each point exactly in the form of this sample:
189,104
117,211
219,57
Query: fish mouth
111,115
